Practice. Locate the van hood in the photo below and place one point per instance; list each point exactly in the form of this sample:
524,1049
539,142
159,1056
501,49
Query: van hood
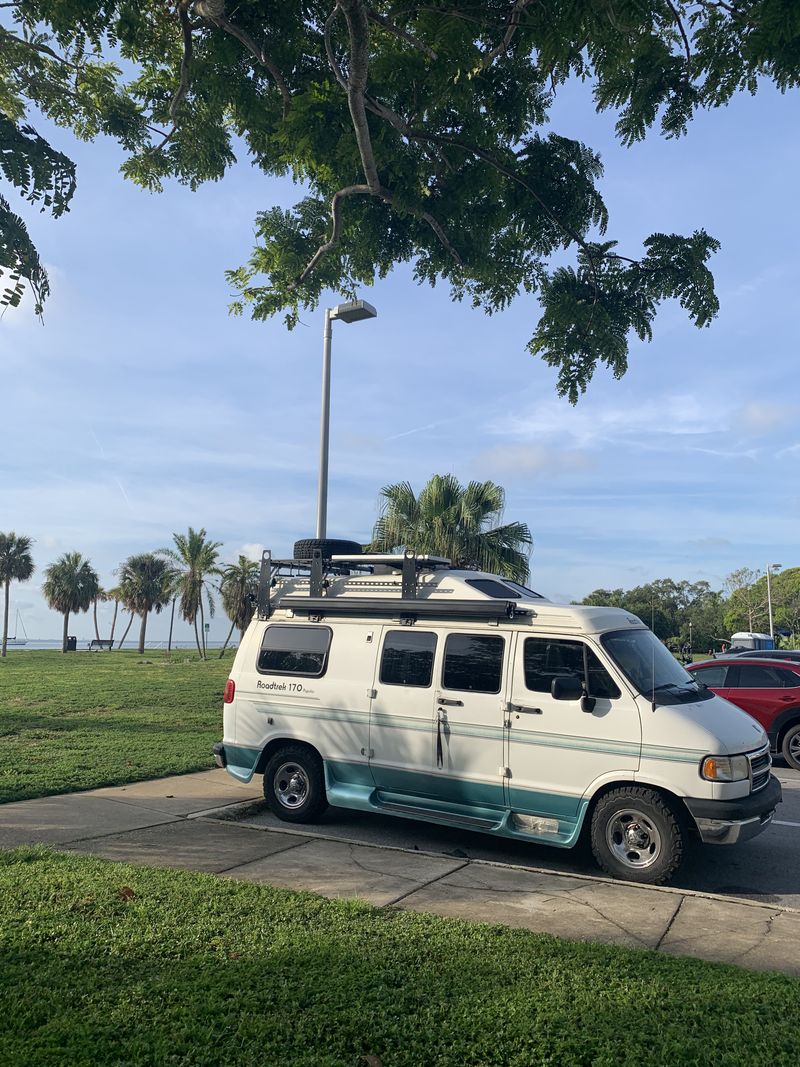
715,727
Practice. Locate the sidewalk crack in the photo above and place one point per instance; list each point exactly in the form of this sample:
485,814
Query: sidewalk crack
669,924
258,859
423,885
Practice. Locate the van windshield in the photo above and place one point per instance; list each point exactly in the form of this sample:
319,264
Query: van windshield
652,668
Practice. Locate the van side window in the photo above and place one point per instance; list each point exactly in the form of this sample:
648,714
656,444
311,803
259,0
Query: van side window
295,650
408,658
473,663
545,659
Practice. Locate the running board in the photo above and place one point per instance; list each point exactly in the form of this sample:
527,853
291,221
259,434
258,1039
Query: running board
471,822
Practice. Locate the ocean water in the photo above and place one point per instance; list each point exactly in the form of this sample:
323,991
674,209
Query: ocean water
130,644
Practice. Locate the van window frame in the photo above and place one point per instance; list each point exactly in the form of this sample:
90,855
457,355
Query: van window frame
388,633
296,674
586,651
503,637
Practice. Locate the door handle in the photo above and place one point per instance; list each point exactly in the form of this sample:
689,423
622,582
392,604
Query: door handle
524,708
450,703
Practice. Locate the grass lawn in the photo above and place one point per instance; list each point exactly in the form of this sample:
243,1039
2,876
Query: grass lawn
91,719
111,964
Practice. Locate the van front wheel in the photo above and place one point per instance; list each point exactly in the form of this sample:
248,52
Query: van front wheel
294,784
636,835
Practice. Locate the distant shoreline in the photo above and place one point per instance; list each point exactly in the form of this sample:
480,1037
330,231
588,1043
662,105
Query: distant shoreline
83,646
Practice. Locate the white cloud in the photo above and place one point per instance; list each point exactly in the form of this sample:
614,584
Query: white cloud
763,416
530,459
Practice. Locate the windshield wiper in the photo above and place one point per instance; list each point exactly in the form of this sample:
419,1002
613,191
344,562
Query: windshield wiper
689,689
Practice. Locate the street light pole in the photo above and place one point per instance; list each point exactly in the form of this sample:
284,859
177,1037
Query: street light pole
354,311
770,568
324,429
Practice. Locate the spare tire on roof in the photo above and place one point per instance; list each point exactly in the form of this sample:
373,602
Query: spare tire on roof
329,546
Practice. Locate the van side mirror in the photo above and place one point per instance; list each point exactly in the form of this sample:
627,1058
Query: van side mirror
569,687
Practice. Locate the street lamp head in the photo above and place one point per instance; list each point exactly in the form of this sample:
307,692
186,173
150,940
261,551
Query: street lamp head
355,311
776,566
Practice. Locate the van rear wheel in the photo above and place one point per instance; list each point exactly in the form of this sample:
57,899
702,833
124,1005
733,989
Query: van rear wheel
636,835
294,784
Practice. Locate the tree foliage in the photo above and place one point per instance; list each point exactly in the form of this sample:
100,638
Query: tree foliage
238,590
145,583
458,522
668,607
71,585
196,560
16,565
417,130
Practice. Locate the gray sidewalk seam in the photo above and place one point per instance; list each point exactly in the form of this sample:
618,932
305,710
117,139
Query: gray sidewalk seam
248,863
423,885
669,925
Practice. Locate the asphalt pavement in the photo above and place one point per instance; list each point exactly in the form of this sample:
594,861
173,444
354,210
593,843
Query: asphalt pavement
765,869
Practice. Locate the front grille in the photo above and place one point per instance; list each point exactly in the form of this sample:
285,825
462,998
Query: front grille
760,766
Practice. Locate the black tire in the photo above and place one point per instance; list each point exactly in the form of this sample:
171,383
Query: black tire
790,746
329,546
638,835
294,784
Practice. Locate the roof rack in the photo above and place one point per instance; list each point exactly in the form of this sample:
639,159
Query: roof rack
405,611
319,570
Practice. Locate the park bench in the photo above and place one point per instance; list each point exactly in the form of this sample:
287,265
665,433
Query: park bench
99,643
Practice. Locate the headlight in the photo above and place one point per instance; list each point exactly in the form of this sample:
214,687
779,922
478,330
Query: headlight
725,768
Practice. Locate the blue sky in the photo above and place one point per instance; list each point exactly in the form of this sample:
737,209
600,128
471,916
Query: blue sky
141,406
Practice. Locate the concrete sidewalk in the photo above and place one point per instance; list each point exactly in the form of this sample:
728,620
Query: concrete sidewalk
185,822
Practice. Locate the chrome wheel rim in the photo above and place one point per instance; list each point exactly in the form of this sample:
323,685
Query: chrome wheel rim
633,839
794,748
291,785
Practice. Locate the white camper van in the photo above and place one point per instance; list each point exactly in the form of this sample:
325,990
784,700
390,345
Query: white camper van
403,685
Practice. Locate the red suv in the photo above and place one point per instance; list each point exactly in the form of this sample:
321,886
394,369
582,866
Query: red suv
766,688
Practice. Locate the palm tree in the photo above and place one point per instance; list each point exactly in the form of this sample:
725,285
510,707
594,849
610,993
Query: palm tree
114,594
197,561
144,584
16,565
70,585
174,592
101,598
238,588
461,523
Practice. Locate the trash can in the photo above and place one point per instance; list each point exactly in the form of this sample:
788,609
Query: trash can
72,644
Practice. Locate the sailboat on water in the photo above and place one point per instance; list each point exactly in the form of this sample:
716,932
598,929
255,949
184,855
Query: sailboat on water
14,640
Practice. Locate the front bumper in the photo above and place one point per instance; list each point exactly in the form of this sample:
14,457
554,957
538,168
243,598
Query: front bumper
728,822
220,758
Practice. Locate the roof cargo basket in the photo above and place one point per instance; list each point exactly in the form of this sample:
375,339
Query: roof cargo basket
319,571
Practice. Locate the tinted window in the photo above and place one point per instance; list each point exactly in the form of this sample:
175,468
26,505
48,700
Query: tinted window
788,678
473,663
294,650
652,668
408,658
493,588
524,591
545,659
713,677
754,677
